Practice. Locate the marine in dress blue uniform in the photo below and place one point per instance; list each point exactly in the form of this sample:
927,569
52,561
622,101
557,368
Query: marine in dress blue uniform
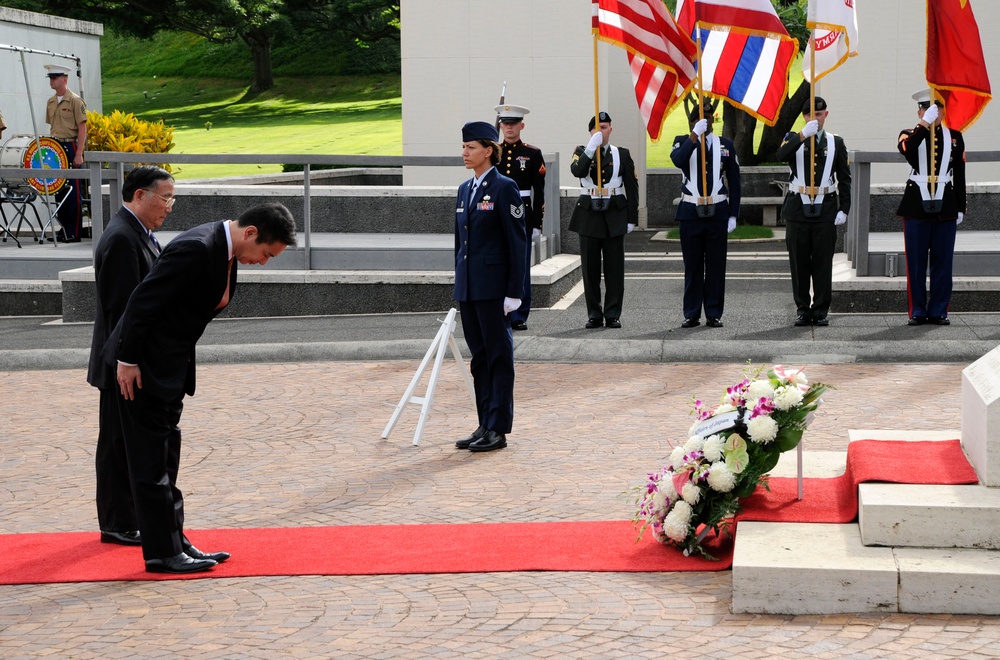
931,213
489,280
524,164
602,219
812,214
706,217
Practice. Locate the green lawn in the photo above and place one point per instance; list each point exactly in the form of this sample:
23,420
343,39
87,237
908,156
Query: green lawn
298,116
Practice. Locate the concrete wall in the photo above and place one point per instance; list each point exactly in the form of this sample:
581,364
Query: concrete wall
456,54
40,32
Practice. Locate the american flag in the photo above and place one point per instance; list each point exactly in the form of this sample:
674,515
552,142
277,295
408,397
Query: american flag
660,55
746,52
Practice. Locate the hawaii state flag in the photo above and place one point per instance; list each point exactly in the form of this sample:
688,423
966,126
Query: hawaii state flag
956,68
660,55
746,52
834,26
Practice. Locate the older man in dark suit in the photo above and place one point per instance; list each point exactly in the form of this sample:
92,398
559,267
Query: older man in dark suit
154,347
489,281
122,258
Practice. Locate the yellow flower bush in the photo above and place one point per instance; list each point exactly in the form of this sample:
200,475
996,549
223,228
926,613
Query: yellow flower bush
124,132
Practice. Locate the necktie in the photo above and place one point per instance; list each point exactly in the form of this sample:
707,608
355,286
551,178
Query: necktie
156,243
472,194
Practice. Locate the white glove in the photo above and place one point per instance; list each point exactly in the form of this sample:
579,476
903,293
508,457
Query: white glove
510,304
931,114
536,232
595,141
700,127
731,226
631,227
810,129
961,216
841,218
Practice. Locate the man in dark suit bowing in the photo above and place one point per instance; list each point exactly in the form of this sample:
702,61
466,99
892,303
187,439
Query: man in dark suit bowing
153,346
122,258
489,281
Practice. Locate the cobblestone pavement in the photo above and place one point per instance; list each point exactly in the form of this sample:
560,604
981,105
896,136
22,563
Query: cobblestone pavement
272,445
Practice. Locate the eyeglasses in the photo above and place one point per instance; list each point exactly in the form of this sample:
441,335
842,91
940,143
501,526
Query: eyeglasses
169,201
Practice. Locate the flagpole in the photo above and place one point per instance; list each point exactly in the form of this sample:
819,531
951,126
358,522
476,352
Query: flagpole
932,177
812,113
597,120
701,113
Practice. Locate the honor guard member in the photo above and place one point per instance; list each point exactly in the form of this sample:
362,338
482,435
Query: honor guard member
524,164
489,280
66,114
602,217
706,215
812,214
932,207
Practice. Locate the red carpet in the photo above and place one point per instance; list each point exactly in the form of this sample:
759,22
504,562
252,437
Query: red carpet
481,548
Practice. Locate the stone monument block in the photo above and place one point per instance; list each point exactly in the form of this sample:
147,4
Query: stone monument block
981,416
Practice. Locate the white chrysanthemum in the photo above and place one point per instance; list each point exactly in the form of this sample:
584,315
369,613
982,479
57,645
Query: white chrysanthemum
800,378
682,511
721,478
694,443
677,456
758,390
724,408
786,398
674,529
660,499
713,448
762,429
691,493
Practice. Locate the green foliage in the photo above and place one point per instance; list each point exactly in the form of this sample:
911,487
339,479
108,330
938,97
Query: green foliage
124,132
742,232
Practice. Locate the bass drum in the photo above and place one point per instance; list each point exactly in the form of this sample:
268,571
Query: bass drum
22,151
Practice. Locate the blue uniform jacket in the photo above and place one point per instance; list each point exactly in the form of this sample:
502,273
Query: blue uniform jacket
729,169
489,240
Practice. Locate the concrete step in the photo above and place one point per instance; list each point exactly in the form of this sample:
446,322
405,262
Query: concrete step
798,568
810,568
929,516
976,254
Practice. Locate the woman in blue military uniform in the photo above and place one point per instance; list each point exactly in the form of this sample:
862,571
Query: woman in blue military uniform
489,280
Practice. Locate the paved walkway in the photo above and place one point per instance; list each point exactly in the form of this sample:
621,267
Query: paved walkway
271,445
274,440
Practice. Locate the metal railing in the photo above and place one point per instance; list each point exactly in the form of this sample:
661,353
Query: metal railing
856,239
116,173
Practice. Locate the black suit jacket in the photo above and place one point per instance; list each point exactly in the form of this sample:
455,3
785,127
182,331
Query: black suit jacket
169,310
624,209
122,258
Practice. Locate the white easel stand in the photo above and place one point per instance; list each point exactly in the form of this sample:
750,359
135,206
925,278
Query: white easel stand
444,340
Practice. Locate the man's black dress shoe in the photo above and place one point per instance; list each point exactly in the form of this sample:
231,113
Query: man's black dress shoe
821,320
518,325
917,320
68,239
713,322
465,442
121,538
802,319
181,563
492,440
612,323
939,320
691,323
594,323
195,553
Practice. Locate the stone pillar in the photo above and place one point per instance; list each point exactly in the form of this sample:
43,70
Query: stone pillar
981,416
